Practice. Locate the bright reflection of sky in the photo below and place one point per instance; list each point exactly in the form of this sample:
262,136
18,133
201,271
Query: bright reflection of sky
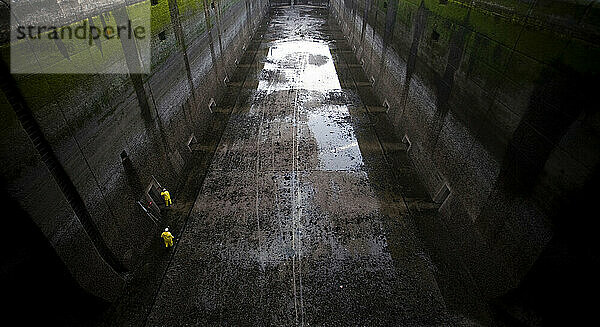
338,147
308,65
299,64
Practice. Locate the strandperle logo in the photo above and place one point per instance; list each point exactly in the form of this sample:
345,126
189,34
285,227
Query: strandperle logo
75,37
82,32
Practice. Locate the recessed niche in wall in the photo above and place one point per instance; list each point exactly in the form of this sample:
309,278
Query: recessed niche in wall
406,141
191,142
435,35
162,36
442,194
212,105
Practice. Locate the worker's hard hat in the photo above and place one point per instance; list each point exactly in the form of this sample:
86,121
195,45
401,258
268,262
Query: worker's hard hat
166,229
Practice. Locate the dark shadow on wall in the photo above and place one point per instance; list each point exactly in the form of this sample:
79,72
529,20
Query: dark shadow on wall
445,82
30,125
561,95
37,286
554,274
561,288
131,175
559,98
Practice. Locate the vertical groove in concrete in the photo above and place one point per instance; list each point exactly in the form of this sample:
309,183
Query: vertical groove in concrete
445,83
218,19
419,28
180,37
390,22
134,65
211,43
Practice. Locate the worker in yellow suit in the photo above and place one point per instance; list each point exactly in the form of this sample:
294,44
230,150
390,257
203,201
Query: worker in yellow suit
165,194
168,237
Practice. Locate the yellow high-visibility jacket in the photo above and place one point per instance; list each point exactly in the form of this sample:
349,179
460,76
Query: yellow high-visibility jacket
167,236
166,195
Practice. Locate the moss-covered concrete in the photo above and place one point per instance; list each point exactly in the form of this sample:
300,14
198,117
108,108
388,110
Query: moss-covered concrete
488,92
91,120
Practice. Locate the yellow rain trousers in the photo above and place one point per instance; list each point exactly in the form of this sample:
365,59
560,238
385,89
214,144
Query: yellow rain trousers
168,237
167,197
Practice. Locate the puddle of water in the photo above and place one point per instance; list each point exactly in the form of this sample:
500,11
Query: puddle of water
308,65
337,143
299,64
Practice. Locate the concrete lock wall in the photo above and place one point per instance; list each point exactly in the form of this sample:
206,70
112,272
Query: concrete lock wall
79,150
496,99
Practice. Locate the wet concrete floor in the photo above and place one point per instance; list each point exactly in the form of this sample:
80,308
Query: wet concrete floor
303,217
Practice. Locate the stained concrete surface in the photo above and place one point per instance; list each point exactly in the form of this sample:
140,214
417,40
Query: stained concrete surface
300,219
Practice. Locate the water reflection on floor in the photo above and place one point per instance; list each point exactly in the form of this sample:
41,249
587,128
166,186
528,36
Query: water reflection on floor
303,64
299,64
298,221
338,147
